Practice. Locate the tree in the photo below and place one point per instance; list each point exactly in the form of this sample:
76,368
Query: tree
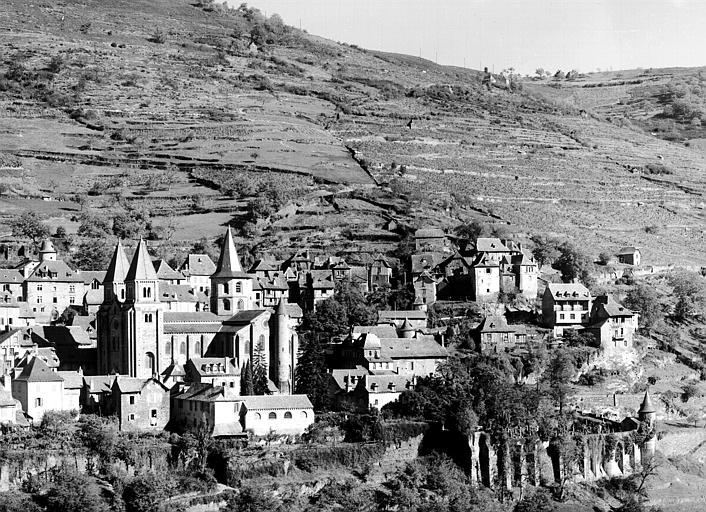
310,376
100,436
358,312
690,292
72,492
247,384
471,231
539,72
330,317
92,254
643,299
545,250
127,226
259,372
573,264
15,501
146,493
29,225
252,499
557,377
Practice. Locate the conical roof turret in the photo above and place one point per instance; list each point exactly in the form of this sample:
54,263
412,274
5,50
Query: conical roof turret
406,326
141,267
281,308
647,406
47,246
228,262
118,266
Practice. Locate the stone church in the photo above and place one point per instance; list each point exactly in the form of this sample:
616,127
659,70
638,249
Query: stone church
138,337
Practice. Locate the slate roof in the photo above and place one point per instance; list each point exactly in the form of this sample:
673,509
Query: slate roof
66,335
244,317
180,293
118,266
497,324
37,371
339,375
612,307
10,276
381,331
426,260
72,379
198,265
93,297
647,406
221,366
205,392
133,385
228,262
628,250
411,314
99,383
404,348
273,283
384,383
6,399
199,316
141,267
89,275
54,271
260,402
320,279
568,291
167,273
491,245
174,370
263,265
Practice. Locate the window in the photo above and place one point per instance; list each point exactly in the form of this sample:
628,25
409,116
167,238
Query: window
168,348
148,317
182,348
72,300
304,415
225,288
287,415
39,299
38,402
487,271
131,417
238,288
572,316
226,304
72,288
272,416
197,348
561,316
258,416
39,287
132,400
53,300
122,294
241,305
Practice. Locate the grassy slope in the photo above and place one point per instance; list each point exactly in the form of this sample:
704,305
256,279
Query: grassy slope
516,159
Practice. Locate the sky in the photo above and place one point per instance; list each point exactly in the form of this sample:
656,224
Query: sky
585,35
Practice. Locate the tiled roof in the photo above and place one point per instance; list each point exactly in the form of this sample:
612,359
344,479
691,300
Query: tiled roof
426,260
628,250
205,392
245,317
167,273
89,275
133,385
99,383
192,328
413,314
420,347
494,324
275,283
174,370
118,266
568,291
199,316
491,245
385,383
66,335
339,375
54,271
212,366
179,293
10,276
321,279
72,379
199,265
264,402
141,267
37,371
6,399
93,297
381,331
263,265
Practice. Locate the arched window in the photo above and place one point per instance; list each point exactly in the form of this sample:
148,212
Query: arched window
182,348
122,294
241,305
149,362
238,288
258,416
287,415
197,348
226,304
304,415
272,416
225,288
261,342
167,348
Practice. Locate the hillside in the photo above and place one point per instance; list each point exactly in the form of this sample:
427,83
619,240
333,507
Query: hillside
165,106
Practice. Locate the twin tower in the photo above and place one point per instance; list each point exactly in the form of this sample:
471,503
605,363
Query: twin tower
139,336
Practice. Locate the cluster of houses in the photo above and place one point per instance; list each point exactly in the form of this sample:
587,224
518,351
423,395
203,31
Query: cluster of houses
170,348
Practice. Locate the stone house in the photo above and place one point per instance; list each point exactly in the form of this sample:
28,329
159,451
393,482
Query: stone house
215,408
566,306
39,389
96,394
73,385
379,390
167,275
493,334
380,273
282,414
9,408
11,282
198,269
181,298
430,239
416,356
613,325
425,291
217,371
140,404
629,256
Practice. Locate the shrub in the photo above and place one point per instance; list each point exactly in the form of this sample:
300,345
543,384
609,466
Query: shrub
158,37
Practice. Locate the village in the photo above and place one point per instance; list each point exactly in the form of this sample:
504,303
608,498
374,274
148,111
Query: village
174,348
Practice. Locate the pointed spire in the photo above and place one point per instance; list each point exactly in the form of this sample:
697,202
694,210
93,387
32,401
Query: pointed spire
228,262
118,267
406,326
141,268
647,406
281,308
